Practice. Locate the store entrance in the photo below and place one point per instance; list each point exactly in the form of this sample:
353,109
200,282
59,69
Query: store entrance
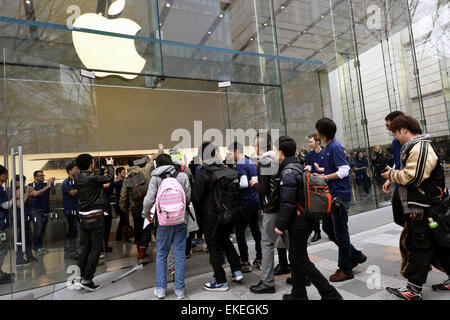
54,114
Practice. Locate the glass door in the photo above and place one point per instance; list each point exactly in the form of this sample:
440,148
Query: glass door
51,117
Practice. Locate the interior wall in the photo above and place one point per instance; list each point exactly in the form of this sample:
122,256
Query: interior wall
136,119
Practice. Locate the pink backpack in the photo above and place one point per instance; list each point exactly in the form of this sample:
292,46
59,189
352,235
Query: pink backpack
170,202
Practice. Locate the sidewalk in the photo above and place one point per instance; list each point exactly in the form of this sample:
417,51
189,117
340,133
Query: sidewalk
372,232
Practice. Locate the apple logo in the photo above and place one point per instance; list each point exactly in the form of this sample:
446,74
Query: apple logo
108,52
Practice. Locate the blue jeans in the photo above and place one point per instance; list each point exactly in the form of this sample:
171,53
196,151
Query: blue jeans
336,227
250,217
166,236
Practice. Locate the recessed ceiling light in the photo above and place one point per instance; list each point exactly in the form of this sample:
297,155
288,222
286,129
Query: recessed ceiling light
168,5
282,7
288,45
265,24
209,32
251,39
28,2
322,17
304,31
337,38
221,15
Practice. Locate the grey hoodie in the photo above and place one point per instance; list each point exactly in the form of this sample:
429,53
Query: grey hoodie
155,182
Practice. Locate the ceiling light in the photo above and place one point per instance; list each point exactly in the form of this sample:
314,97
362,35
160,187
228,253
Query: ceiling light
304,31
337,38
167,5
322,17
265,24
282,7
288,45
28,2
221,15
251,39
209,32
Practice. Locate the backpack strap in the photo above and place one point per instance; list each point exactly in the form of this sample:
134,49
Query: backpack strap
290,166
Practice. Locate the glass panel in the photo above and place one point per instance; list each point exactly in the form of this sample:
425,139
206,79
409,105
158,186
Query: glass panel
53,127
430,28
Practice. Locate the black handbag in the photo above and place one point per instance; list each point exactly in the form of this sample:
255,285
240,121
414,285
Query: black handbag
441,214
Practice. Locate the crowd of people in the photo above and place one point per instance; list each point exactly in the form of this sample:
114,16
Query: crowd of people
180,206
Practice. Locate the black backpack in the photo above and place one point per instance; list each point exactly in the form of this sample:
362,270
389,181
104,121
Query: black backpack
226,197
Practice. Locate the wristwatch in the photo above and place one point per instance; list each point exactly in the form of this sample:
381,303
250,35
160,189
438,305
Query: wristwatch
326,178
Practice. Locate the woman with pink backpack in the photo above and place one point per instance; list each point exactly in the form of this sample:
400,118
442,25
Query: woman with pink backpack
169,192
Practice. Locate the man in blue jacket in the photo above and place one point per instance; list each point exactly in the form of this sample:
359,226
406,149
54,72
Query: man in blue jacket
250,208
299,226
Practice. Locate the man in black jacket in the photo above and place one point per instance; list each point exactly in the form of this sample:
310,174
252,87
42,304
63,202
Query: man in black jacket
299,226
217,236
92,203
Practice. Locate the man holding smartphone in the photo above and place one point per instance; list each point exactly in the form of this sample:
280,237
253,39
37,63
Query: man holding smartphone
92,224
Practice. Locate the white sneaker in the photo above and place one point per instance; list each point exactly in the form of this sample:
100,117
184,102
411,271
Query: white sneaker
180,294
160,293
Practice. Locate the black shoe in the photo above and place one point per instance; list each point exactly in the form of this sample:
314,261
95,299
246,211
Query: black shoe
279,270
405,293
261,287
442,287
292,297
316,237
334,295
89,286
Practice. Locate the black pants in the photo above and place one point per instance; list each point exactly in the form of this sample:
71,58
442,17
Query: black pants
250,218
302,267
122,222
218,243
189,243
138,222
282,257
92,231
421,251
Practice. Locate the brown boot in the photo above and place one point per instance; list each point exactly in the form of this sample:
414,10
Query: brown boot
143,256
341,276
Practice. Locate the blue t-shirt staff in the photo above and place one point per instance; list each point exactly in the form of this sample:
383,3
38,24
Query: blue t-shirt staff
40,207
5,204
316,157
336,175
71,203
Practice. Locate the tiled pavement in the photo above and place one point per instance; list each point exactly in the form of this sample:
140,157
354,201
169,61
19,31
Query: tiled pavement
372,232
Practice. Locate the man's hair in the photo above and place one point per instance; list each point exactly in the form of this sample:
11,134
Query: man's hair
287,145
406,122
70,166
36,173
3,170
83,161
18,179
119,170
391,116
207,146
327,128
163,160
266,141
314,136
236,146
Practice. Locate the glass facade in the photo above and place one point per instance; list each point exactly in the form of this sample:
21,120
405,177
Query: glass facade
92,76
